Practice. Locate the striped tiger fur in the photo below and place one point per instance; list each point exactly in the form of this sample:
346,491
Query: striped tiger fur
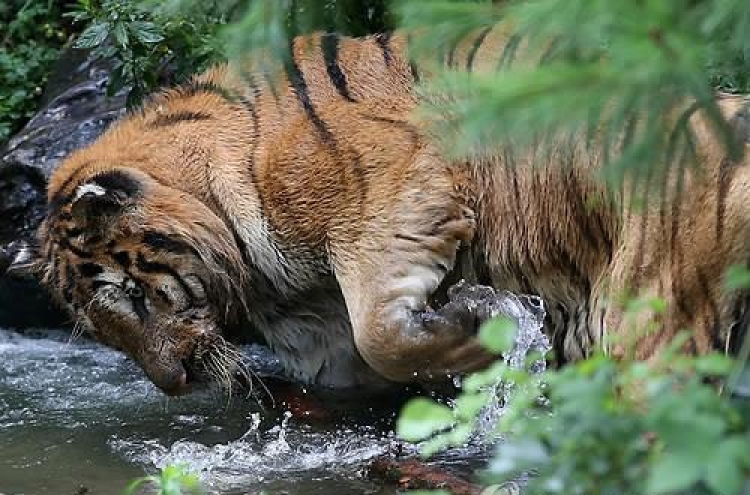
305,202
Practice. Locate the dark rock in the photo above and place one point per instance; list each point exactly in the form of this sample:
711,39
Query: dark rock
75,111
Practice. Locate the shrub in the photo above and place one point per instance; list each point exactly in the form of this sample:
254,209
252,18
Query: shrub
150,47
31,33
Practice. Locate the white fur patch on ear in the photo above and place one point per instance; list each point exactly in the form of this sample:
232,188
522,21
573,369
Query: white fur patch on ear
90,187
23,260
24,256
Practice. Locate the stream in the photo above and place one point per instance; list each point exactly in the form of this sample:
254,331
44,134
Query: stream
78,418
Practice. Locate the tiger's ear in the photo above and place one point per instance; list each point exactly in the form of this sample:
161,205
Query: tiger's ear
98,202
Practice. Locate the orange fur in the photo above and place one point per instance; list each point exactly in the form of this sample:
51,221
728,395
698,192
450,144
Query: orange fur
319,213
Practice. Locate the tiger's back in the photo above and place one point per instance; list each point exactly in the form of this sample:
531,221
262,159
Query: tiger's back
312,204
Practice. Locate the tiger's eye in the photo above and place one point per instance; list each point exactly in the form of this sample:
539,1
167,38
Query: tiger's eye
135,292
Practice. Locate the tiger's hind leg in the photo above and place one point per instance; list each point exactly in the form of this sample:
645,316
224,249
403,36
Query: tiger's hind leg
398,259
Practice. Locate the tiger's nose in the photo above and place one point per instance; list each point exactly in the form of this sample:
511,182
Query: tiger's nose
175,382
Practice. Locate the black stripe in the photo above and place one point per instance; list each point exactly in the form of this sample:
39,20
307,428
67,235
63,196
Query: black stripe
412,63
550,50
67,290
738,331
123,259
384,42
89,269
196,87
118,180
475,48
98,284
250,106
155,267
297,80
139,306
329,44
717,341
241,245
161,242
509,52
451,62
65,244
177,117
409,237
272,86
414,70
405,126
162,295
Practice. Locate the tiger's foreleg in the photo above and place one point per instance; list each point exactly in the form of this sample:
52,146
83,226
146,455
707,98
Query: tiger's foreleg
387,275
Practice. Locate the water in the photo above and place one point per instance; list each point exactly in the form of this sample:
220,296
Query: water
529,314
79,418
78,415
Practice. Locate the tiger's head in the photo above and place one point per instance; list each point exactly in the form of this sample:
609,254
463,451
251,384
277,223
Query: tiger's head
146,269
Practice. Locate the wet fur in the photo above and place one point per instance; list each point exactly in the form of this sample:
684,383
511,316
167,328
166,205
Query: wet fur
318,212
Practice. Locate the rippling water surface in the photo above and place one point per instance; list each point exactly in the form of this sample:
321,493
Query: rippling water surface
79,418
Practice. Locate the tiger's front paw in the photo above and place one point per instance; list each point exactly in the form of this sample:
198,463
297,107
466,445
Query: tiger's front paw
468,307
473,302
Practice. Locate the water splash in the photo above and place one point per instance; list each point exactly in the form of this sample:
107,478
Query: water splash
287,451
79,413
528,313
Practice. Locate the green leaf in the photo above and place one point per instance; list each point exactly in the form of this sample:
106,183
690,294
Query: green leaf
480,379
135,484
468,405
146,32
498,335
673,472
460,434
724,470
422,418
432,446
121,35
714,364
514,456
737,277
94,35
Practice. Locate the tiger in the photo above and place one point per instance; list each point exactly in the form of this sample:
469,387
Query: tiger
306,202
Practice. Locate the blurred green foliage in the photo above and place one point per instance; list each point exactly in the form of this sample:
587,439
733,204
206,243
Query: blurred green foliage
31,33
171,480
601,426
621,71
